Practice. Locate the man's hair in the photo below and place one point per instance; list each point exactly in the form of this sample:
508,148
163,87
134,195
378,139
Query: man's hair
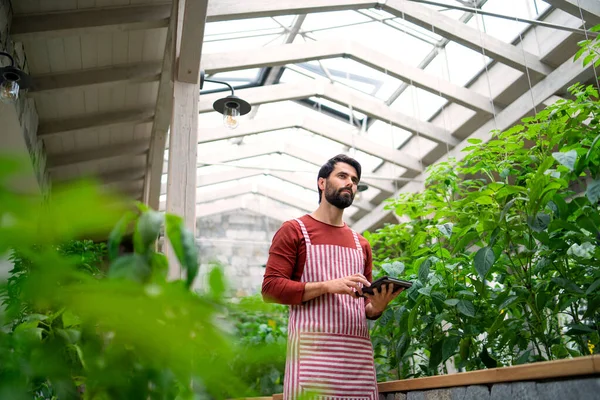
328,167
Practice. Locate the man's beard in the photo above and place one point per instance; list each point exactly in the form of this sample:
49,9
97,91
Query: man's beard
337,198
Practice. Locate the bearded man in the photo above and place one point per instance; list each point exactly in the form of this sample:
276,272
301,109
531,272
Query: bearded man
318,265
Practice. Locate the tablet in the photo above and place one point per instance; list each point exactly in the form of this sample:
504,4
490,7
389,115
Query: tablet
386,280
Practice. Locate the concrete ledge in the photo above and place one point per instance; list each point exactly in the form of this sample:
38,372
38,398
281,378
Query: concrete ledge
469,384
580,366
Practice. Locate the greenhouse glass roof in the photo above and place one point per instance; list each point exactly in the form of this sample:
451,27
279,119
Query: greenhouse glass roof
398,87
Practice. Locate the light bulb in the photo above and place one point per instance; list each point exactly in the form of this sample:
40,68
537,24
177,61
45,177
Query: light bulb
231,115
9,91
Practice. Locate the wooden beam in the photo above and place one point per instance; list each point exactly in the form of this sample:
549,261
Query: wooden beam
303,52
109,76
127,188
122,175
90,21
96,154
481,42
563,76
589,9
194,21
344,96
58,126
162,119
183,138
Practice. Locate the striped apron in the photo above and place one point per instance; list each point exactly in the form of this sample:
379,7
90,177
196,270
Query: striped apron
329,351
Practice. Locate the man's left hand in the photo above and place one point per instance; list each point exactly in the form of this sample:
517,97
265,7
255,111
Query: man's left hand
381,299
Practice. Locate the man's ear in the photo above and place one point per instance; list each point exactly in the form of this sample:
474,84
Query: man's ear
321,184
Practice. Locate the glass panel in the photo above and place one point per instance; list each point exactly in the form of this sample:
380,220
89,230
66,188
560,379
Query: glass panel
499,28
382,38
418,103
385,134
463,63
419,146
327,20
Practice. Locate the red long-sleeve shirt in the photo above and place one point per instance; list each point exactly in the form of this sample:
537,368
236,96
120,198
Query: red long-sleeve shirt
287,257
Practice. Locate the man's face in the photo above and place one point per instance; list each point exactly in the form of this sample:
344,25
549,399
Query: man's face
341,185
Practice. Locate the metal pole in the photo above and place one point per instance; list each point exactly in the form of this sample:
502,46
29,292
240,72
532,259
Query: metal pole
508,17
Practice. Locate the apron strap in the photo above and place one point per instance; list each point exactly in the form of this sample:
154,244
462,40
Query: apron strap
357,242
304,231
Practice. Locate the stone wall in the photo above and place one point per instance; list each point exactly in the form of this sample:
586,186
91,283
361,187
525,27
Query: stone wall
25,106
569,389
239,241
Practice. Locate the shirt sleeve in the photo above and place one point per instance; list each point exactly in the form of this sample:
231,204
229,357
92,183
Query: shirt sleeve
278,285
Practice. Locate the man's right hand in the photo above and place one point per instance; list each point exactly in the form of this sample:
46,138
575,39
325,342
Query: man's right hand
337,286
346,284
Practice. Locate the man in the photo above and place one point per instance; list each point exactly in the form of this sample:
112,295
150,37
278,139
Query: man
318,265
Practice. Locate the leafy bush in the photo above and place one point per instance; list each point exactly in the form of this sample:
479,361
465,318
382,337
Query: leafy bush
123,332
258,324
503,247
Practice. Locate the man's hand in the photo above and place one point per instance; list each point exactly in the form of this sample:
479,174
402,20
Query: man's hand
339,286
380,300
346,284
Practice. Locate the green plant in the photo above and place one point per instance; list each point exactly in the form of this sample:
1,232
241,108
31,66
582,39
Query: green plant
258,324
127,333
504,248
590,49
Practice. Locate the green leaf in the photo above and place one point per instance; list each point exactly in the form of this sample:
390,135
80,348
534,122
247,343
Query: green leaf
424,270
567,284
579,329
147,231
484,259
452,302
425,291
567,159
593,191
450,347
487,360
509,300
523,358
466,307
414,312
216,282
484,200
593,287
159,265
539,223
394,269
184,246
130,266
497,323
446,229
465,348
402,345
436,354
116,235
